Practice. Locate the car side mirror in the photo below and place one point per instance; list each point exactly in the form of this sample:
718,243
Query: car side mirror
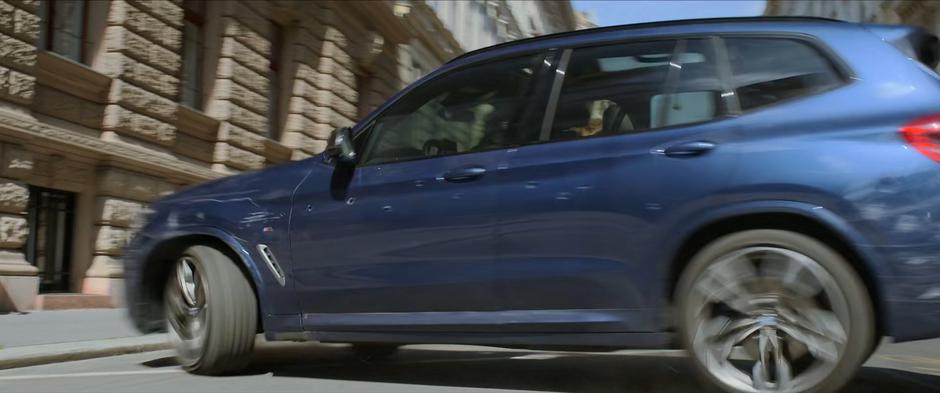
342,149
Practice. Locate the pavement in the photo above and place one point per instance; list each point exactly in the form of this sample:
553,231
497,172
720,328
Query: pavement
49,327
43,337
116,359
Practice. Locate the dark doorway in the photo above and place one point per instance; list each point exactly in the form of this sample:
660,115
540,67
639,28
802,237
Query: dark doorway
51,214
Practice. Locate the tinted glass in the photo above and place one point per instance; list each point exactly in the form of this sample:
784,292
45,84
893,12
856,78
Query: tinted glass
479,108
627,88
768,70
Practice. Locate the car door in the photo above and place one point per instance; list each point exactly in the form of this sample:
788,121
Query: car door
406,238
627,139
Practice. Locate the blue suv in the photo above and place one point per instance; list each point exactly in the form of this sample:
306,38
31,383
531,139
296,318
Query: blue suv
764,192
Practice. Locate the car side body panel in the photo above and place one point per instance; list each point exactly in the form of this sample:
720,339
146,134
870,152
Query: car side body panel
835,157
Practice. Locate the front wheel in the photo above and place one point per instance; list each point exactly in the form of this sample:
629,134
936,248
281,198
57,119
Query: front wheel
211,312
774,311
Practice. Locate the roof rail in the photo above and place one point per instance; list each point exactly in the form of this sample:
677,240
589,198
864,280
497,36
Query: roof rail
645,25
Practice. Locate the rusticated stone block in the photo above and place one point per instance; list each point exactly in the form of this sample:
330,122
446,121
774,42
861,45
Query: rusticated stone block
130,185
17,54
143,101
332,67
250,18
244,76
242,138
126,14
14,196
248,119
247,57
324,98
194,148
142,75
248,37
238,158
297,155
305,125
71,171
67,107
301,88
13,231
118,212
167,11
335,36
17,86
315,147
118,38
111,240
31,6
323,81
130,123
105,266
19,22
332,50
303,142
243,96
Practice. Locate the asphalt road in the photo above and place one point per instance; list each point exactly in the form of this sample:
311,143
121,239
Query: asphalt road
284,367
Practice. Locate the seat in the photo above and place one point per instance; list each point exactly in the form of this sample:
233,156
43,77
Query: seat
616,121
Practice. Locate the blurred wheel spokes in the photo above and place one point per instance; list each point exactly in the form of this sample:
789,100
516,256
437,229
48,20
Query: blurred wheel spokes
186,310
776,306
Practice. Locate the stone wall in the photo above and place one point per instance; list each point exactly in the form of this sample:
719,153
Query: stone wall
19,30
18,280
142,56
122,195
111,130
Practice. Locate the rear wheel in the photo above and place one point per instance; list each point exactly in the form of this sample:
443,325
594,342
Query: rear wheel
211,312
774,311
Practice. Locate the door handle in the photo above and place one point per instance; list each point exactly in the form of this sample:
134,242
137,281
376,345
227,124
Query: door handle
462,175
689,149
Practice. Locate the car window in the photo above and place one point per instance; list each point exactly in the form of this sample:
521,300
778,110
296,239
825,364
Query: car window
626,88
768,70
478,108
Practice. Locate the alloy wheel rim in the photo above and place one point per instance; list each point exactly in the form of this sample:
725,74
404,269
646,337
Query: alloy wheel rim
768,319
186,310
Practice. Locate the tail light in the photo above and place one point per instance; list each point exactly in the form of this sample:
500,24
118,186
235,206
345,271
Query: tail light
924,135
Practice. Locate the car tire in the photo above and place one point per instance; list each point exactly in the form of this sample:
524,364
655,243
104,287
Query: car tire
374,351
790,311
211,312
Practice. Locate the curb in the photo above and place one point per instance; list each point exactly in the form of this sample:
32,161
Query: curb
33,355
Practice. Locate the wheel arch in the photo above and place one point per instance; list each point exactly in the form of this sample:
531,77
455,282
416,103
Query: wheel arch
808,220
158,261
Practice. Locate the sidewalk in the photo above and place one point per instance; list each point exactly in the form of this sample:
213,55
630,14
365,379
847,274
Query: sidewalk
56,336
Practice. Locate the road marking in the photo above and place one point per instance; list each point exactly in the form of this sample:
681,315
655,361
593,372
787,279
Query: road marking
92,374
929,370
538,356
910,359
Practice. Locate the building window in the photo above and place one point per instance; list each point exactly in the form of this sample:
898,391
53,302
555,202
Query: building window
49,246
64,27
193,36
274,76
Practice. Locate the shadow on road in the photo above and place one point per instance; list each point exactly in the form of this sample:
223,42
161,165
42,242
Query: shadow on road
525,370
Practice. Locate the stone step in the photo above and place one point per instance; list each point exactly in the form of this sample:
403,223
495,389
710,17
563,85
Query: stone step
68,301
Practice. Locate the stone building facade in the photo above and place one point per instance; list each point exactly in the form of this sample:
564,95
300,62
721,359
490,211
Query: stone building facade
925,14
107,105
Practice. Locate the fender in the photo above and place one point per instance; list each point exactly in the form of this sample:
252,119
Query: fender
236,245
871,259
693,222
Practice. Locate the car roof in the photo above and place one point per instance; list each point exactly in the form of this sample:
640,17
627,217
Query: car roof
655,28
